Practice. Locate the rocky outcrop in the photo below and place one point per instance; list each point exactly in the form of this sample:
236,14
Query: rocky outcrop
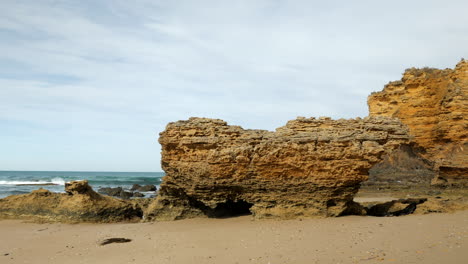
310,167
434,105
145,188
116,192
79,204
133,192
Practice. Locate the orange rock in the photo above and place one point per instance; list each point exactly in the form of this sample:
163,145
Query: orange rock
79,204
434,105
310,167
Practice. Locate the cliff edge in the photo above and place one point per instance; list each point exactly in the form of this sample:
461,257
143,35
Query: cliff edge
433,103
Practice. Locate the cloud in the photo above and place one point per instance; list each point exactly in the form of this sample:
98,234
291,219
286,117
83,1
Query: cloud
109,75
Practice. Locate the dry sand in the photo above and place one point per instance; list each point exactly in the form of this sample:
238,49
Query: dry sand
434,238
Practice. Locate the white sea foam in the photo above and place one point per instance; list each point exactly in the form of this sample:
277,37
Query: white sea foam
55,181
58,181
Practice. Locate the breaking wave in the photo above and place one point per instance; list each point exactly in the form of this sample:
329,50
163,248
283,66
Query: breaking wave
54,181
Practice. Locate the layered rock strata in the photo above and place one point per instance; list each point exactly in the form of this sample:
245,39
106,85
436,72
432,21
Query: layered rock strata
310,167
79,204
434,105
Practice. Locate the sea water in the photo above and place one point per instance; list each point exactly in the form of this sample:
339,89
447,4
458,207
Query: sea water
21,182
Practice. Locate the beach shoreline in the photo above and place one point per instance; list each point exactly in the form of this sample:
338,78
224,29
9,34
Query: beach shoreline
432,238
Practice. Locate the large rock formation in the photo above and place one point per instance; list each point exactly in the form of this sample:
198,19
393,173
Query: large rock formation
79,204
434,105
310,167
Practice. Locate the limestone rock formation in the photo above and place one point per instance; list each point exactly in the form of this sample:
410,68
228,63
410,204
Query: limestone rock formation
79,204
310,167
434,105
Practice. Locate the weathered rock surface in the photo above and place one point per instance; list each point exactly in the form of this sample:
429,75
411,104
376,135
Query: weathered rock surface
419,205
138,195
310,167
147,188
134,192
135,187
402,167
395,207
111,191
79,204
434,105
442,205
116,192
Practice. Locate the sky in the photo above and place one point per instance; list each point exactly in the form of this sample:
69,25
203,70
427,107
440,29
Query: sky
88,85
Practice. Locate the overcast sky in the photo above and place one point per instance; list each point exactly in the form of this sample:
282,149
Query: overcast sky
88,85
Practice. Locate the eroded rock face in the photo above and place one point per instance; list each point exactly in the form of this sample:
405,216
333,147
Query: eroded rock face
79,204
434,105
402,167
310,167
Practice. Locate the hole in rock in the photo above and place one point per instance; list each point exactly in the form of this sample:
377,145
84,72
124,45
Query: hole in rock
331,203
231,209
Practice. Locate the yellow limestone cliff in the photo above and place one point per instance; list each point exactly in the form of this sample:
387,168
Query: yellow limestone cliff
433,103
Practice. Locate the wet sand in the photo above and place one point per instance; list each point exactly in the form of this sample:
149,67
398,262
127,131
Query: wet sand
433,238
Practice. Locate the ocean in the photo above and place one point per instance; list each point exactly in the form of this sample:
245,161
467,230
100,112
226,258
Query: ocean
21,182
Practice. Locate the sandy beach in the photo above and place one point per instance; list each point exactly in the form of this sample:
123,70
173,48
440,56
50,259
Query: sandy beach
233,132
433,238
